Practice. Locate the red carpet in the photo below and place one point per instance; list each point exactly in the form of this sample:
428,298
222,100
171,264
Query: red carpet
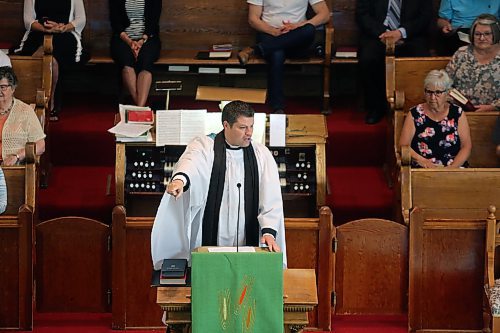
101,323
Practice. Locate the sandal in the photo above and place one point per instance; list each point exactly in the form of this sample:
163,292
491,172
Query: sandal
54,115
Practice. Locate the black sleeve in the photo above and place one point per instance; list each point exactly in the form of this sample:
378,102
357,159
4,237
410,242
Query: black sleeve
152,14
117,16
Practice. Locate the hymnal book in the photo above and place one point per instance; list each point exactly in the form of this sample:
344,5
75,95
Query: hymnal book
173,271
213,55
346,52
462,100
222,47
139,116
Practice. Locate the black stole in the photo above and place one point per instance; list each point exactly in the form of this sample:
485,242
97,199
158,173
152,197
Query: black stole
210,229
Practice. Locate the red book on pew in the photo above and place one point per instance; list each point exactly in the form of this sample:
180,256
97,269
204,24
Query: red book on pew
462,100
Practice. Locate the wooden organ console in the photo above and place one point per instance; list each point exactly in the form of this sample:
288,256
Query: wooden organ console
142,172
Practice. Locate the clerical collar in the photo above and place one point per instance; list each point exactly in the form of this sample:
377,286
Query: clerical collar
230,147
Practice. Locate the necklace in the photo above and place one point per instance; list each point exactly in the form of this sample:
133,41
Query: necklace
4,112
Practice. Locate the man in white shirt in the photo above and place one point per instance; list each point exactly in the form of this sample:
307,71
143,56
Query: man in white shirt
283,31
217,183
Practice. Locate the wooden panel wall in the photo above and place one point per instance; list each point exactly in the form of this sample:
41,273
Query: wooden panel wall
446,270
73,265
371,267
11,21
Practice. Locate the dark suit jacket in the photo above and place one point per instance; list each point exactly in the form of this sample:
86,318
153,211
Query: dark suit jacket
119,19
416,16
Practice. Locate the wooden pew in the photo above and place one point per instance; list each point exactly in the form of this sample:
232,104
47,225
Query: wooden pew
446,265
134,301
404,79
491,310
442,188
371,267
34,74
16,237
191,26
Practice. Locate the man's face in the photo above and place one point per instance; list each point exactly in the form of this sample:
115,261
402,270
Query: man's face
240,133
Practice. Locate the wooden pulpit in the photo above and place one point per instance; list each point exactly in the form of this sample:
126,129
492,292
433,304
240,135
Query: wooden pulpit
299,297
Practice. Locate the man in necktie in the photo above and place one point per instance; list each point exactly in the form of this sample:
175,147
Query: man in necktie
406,22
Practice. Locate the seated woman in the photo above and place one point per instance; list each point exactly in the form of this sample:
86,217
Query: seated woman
65,20
18,122
135,44
475,69
437,131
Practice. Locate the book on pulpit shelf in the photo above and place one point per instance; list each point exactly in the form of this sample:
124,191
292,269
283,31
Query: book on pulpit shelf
173,271
462,100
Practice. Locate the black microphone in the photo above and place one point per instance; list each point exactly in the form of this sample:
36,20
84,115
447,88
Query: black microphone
238,218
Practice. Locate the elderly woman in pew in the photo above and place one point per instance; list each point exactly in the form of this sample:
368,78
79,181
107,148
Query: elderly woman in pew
437,131
18,122
65,20
475,69
135,44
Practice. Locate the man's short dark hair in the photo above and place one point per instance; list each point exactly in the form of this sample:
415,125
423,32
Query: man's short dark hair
6,72
235,109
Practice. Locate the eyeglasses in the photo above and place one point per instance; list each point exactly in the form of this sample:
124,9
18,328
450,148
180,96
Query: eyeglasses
436,93
3,87
485,35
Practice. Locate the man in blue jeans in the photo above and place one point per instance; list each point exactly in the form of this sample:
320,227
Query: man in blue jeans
282,31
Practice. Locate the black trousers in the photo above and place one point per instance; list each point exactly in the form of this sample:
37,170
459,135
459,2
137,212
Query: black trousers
371,65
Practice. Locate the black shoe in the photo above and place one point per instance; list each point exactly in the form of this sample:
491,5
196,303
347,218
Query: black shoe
54,115
373,117
279,111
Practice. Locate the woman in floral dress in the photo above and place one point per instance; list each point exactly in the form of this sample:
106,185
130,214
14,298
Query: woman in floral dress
437,131
475,69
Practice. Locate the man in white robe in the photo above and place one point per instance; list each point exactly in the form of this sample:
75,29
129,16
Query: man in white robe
206,196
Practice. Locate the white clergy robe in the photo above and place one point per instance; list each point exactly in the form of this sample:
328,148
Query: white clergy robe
177,228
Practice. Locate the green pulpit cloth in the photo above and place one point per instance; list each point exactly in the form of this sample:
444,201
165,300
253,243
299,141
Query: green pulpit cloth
237,292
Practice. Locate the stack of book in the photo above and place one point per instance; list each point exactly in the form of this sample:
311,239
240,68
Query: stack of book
173,271
218,52
134,125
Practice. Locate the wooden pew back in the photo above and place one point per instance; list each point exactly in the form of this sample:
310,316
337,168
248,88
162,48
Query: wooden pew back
16,231
446,267
473,188
481,124
492,243
11,24
186,25
406,76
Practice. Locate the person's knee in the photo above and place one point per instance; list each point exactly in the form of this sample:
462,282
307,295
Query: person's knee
276,58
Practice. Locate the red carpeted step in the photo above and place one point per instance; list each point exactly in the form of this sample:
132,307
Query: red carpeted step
358,192
352,142
369,323
79,191
80,137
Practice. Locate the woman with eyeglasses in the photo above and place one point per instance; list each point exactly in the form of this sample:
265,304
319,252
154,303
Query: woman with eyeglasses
475,69
18,122
437,131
